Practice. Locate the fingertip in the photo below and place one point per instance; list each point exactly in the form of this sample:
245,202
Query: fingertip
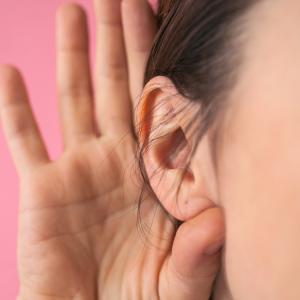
207,227
197,240
212,222
70,12
71,30
189,267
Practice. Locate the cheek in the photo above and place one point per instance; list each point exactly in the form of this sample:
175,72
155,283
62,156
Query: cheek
259,188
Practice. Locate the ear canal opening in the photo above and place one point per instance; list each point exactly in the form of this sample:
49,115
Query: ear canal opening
174,149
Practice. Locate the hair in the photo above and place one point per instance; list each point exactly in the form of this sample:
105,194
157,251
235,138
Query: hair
198,48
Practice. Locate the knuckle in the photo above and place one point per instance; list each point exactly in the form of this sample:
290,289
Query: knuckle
75,91
9,76
15,116
114,72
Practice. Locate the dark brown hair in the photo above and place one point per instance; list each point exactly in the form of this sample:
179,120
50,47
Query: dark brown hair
198,48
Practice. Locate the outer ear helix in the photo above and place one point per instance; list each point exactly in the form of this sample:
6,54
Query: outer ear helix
144,118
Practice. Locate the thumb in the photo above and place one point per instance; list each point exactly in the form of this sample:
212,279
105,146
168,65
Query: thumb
189,272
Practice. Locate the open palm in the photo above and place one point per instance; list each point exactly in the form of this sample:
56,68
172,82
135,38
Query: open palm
78,233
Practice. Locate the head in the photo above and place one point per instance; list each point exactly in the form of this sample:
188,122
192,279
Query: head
218,123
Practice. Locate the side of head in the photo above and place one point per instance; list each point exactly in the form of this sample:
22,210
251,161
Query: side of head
191,69
219,119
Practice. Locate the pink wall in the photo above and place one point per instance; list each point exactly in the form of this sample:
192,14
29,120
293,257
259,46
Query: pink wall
27,36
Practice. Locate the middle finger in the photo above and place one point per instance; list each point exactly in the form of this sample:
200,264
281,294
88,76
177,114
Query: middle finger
73,74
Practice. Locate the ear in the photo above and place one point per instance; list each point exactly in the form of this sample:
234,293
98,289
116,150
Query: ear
166,129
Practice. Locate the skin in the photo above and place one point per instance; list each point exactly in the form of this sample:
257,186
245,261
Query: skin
256,180
78,237
259,159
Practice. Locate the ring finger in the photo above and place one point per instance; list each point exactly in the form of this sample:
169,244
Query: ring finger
113,105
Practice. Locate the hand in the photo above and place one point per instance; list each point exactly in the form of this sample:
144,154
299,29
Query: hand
78,236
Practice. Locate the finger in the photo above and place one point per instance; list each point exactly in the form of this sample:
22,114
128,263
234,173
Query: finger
139,31
191,269
73,74
21,131
113,106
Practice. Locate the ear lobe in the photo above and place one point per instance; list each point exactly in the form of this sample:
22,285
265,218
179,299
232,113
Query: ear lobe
168,149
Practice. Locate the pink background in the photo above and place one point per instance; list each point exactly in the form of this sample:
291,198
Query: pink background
27,35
